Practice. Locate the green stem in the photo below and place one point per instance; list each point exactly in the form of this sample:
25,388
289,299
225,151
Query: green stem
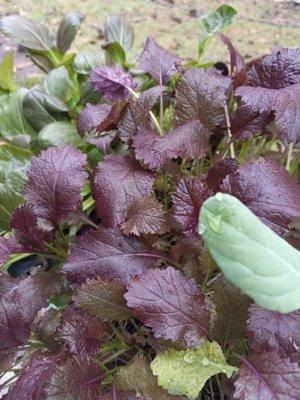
62,254
231,145
63,237
153,117
289,157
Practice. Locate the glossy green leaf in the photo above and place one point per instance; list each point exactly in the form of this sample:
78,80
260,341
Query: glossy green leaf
85,61
185,372
214,22
119,30
57,83
12,121
251,255
29,34
59,133
40,109
115,53
14,162
7,81
68,29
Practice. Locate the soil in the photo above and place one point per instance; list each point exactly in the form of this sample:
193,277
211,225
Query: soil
259,25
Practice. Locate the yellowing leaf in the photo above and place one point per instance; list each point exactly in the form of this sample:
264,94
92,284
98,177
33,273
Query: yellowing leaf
185,372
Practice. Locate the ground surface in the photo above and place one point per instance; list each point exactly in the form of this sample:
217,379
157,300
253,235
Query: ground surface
260,24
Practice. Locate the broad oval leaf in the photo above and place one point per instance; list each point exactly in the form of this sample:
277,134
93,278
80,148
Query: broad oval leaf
57,83
59,133
55,179
67,29
119,30
86,61
13,124
250,254
29,34
185,372
40,109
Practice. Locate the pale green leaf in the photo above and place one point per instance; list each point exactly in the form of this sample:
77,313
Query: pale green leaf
59,133
14,162
7,81
212,23
85,61
119,30
251,255
185,372
57,83
12,121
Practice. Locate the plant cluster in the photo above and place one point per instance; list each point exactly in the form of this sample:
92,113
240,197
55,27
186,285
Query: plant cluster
105,165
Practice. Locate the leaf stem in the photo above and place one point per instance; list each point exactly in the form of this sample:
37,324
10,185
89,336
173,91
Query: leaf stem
289,156
228,125
153,117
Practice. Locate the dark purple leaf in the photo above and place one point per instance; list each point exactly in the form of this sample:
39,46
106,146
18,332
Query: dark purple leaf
277,70
55,179
274,328
145,216
268,190
34,291
103,142
246,122
76,378
187,201
199,96
267,376
34,375
45,326
7,283
100,117
32,228
81,332
236,59
119,181
218,172
284,103
158,62
188,140
109,254
112,82
9,246
171,305
137,113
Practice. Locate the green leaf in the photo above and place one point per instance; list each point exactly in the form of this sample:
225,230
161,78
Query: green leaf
7,81
185,372
115,53
85,61
68,29
59,133
214,22
251,255
13,166
137,376
12,121
40,109
119,30
57,83
29,34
